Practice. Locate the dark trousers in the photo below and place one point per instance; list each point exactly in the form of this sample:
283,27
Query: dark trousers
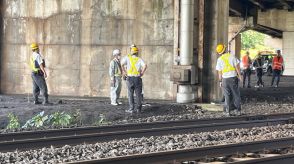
135,85
231,93
259,76
39,84
246,73
276,75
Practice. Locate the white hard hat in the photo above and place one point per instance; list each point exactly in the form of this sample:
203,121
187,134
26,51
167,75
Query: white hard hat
133,45
116,52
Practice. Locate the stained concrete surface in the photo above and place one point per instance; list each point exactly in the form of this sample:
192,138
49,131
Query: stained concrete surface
76,39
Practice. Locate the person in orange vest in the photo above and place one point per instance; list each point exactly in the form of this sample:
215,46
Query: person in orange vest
277,64
246,62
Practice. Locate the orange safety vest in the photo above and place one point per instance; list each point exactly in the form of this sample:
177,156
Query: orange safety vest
278,62
246,61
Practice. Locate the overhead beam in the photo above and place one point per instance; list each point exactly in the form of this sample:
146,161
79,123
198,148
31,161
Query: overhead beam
237,7
258,3
286,5
268,30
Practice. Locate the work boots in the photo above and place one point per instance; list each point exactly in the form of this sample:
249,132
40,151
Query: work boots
37,101
46,102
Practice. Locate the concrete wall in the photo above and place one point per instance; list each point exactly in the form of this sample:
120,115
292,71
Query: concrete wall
77,37
278,19
288,52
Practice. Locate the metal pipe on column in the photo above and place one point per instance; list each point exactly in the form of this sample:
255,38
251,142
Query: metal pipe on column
185,93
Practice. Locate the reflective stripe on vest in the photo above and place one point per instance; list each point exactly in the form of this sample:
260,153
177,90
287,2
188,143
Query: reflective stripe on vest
133,70
278,63
228,67
245,61
34,66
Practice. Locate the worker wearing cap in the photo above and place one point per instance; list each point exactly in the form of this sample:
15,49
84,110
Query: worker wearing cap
115,72
228,67
134,67
37,65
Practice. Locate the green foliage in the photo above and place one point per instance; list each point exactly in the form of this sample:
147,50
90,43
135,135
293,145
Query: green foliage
252,39
60,119
76,117
37,121
13,122
101,120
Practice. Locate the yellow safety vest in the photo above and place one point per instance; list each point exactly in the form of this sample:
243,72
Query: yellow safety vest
33,65
132,71
228,67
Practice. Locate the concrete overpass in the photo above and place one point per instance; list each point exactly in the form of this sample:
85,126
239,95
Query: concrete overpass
77,38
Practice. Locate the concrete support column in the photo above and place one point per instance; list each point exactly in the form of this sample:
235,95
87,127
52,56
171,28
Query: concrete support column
235,24
238,46
288,52
185,93
216,31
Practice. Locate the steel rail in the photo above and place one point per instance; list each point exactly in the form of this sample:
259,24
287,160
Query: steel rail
117,135
280,159
198,153
127,127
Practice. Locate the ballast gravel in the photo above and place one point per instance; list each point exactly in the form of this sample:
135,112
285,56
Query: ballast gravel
146,145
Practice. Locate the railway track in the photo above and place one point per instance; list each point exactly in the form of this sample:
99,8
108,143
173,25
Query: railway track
128,127
103,134
177,157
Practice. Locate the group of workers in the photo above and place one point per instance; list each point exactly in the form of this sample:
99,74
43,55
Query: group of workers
131,68
229,75
277,68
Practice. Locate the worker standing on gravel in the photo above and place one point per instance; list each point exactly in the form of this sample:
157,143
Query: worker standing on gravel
277,64
142,94
258,65
115,72
228,67
37,65
246,62
135,69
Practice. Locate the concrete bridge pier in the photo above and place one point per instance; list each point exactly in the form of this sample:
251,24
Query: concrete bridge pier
215,31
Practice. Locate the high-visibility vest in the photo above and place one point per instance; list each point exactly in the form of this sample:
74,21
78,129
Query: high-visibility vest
228,67
34,65
133,71
278,63
117,68
246,61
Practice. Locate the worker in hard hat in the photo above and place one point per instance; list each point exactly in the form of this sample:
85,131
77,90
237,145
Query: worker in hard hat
228,67
115,72
134,67
37,65
142,94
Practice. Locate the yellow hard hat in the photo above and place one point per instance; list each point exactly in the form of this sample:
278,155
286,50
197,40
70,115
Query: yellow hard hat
34,46
220,48
134,50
